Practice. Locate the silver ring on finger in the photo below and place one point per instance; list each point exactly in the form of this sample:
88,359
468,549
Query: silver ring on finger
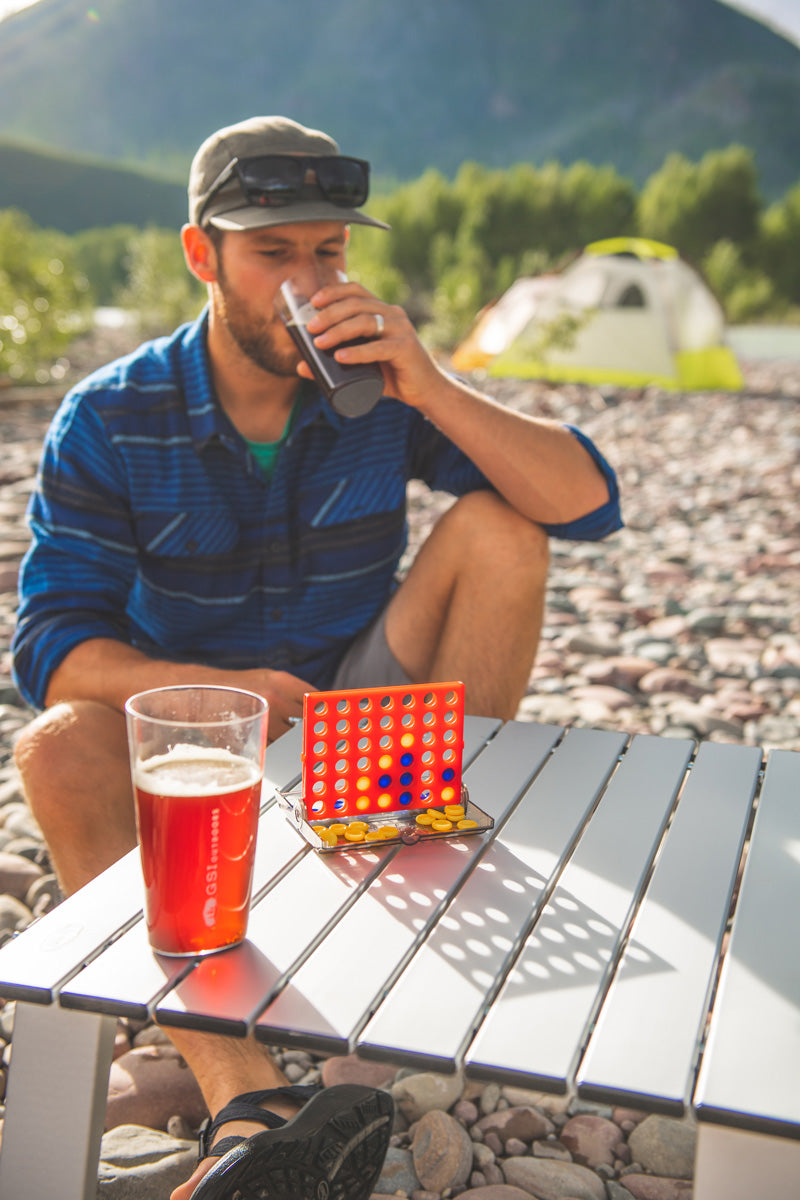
380,324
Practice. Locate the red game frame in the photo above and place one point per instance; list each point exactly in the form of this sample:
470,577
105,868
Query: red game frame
382,750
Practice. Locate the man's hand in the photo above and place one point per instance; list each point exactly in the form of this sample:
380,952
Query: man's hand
348,311
282,691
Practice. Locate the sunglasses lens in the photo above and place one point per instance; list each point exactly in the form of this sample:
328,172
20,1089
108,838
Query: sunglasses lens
271,181
343,180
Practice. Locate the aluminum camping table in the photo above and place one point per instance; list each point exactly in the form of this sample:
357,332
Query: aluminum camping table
577,948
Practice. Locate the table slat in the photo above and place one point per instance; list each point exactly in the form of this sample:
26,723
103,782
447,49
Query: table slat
332,993
225,995
644,1047
126,980
750,1073
34,964
539,1019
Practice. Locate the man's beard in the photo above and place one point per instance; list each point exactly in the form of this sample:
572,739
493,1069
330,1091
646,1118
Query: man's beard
258,338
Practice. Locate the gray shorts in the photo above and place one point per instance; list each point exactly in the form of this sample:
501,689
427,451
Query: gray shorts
369,662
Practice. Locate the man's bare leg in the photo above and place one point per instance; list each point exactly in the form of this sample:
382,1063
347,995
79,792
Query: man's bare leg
74,765
472,604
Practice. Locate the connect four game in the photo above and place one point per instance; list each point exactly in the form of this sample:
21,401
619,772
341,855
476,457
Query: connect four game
384,764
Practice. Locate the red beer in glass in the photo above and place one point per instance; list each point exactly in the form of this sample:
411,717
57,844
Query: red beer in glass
197,761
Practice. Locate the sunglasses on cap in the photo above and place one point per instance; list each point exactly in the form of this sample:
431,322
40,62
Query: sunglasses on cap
275,180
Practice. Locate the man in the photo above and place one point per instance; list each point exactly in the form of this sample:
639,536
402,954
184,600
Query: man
204,515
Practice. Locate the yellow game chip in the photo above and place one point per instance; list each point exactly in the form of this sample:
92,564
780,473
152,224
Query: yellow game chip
355,835
454,810
338,828
427,818
467,824
441,826
328,837
373,835
357,826
389,831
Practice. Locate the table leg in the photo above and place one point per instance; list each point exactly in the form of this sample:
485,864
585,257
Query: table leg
740,1165
55,1103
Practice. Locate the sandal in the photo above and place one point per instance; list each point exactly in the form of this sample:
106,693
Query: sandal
333,1149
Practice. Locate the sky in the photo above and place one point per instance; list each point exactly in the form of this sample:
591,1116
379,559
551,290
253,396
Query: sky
783,15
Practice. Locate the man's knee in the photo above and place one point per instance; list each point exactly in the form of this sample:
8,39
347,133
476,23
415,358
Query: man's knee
63,738
495,533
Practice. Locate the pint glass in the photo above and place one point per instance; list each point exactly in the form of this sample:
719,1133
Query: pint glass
197,759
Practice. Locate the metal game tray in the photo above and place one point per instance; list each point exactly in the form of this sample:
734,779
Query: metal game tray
409,831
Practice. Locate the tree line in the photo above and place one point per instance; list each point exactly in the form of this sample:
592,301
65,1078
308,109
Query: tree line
454,245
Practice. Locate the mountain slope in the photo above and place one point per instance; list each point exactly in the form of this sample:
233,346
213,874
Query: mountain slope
73,192
408,84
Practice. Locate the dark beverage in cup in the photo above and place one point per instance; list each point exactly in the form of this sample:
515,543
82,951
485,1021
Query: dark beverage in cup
351,388
198,814
197,759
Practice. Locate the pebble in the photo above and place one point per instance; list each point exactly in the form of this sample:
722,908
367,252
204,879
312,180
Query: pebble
685,623
664,1146
416,1095
143,1164
150,1084
442,1152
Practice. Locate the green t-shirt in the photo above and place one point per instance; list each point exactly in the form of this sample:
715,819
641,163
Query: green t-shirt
265,453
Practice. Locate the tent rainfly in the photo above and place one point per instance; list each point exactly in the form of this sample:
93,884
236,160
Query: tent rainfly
627,311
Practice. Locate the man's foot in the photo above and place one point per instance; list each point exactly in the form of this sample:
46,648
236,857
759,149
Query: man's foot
333,1149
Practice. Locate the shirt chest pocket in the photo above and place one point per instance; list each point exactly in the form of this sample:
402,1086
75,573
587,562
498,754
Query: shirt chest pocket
201,532
365,493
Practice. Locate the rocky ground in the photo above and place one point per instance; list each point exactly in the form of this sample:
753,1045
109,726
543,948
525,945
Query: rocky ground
685,623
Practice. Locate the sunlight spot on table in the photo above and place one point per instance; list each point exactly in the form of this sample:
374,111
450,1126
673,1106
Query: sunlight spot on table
479,948
576,931
495,914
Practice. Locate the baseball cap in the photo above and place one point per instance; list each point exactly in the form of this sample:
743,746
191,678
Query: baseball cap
229,208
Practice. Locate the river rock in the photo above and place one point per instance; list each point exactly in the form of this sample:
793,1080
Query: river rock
150,1084
442,1152
415,1095
652,1187
17,874
519,1122
349,1068
665,1146
550,1180
398,1175
493,1191
592,1140
142,1164
14,916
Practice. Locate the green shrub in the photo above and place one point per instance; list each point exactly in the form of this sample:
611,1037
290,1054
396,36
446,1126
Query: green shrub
159,289
745,292
44,299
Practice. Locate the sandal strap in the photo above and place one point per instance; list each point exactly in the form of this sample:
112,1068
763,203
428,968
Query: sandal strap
246,1107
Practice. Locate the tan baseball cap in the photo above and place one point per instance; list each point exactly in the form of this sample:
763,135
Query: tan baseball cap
229,209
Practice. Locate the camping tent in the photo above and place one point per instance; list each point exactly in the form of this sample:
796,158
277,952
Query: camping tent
628,311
